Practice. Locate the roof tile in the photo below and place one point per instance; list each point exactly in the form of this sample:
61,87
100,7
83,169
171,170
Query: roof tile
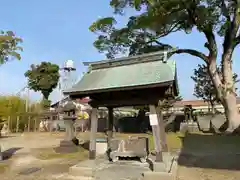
147,73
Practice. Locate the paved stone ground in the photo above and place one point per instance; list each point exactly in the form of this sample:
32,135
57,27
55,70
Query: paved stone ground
207,161
58,169
122,170
24,166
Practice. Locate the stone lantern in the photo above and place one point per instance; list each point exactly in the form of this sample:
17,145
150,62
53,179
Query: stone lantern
69,116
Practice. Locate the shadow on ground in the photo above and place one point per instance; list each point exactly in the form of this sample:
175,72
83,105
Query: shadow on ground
7,154
10,136
210,151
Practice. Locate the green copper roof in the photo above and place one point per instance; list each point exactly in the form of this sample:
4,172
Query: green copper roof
121,73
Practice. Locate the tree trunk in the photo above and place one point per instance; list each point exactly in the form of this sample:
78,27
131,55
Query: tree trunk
226,93
231,111
225,88
212,107
229,99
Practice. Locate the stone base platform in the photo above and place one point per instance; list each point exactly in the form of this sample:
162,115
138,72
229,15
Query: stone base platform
166,170
190,127
102,169
66,147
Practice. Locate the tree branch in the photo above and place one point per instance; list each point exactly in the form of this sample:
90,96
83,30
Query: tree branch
211,45
191,52
231,38
225,10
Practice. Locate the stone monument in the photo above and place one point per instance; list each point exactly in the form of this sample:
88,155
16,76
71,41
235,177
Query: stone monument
189,124
5,130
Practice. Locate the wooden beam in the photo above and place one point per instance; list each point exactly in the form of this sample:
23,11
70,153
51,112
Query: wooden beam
163,139
123,102
153,90
147,87
110,124
153,117
94,125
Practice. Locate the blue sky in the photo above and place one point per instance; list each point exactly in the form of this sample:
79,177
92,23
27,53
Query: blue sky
57,30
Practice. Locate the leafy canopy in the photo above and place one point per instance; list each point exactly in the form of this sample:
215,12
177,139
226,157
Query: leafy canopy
43,77
164,104
204,87
158,18
9,46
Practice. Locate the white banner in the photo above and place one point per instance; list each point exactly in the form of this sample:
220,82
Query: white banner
153,119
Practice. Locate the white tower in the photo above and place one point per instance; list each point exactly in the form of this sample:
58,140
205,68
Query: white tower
67,78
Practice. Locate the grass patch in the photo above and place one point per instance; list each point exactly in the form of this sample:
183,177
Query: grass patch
3,167
49,153
173,140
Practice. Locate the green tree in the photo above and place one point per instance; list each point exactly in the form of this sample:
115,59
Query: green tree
165,104
9,46
44,78
204,87
156,19
13,107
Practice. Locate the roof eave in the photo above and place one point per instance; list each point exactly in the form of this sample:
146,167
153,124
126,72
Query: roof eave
89,92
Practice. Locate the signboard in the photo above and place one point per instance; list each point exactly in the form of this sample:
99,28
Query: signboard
153,119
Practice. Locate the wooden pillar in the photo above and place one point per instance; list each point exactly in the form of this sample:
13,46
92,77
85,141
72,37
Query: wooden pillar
110,123
153,117
163,138
9,124
50,123
29,119
94,125
35,124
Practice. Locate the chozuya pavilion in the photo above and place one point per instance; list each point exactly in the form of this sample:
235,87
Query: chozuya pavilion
130,81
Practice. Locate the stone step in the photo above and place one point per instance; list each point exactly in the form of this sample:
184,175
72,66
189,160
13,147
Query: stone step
81,171
158,176
70,177
85,169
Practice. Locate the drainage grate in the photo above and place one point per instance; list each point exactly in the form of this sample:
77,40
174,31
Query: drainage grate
30,171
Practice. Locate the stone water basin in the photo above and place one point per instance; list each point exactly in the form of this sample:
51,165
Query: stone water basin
101,145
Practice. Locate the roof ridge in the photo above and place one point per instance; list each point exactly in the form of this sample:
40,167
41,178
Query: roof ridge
130,61
143,58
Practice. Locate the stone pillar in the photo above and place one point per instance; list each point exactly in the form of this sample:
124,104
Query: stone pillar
94,125
69,135
153,117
